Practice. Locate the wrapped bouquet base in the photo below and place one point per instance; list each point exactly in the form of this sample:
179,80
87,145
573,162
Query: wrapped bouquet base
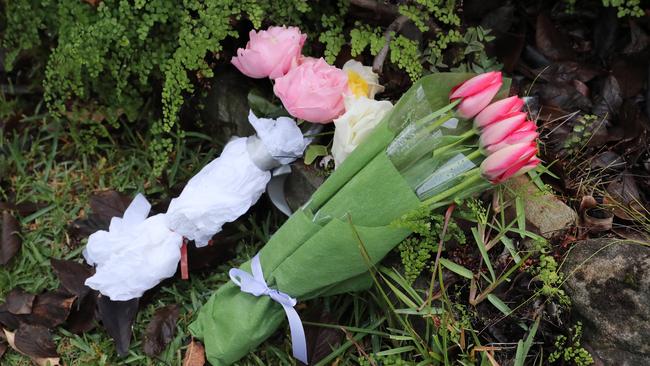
318,251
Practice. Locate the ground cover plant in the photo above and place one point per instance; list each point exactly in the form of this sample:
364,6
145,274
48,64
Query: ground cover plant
100,100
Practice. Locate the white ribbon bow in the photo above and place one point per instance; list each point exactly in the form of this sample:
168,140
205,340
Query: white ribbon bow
257,286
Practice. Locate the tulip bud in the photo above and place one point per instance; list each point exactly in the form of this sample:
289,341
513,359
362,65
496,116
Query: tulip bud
511,160
476,93
498,110
498,131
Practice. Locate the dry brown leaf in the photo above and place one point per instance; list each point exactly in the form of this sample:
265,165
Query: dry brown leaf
49,361
195,354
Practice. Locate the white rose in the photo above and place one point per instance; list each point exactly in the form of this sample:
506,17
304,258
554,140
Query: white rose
360,118
362,81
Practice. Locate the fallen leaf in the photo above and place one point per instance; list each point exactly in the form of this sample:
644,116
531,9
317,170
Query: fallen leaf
608,102
161,330
551,42
605,32
35,341
7,319
72,276
51,309
623,193
83,316
117,318
195,354
3,349
40,361
104,205
639,40
19,302
10,241
321,341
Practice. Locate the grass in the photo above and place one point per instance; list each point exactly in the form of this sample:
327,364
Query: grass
442,320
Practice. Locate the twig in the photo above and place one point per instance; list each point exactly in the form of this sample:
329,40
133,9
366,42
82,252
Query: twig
395,26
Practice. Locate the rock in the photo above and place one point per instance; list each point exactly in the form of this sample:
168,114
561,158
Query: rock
608,281
302,183
226,105
545,213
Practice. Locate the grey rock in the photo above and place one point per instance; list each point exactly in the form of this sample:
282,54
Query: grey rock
226,105
608,281
545,213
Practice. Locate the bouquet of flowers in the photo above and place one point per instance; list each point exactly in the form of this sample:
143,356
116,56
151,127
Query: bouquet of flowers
425,151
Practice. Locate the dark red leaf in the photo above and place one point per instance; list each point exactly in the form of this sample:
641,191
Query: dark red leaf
321,341
3,349
551,42
72,276
161,330
19,302
104,206
83,316
10,240
117,318
51,309
35,341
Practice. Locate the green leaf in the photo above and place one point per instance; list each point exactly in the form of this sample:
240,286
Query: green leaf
263,107
456,268
502,306
507,242
484,253
524,347
314,151
521,214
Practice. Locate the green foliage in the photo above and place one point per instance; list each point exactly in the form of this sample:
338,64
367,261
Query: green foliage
547,272
418,249
570,350
582,131
623,7
405,54
363,36
138,61
472,58
384,360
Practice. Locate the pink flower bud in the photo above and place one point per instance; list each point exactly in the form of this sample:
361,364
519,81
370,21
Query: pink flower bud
270,53
509,161
476,93
497,111
499,130
514,138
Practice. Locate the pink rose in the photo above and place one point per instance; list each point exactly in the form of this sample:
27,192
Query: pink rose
476,93
512,160
313,91
270,53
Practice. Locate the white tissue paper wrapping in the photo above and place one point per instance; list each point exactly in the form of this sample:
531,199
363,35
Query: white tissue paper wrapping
134,255
137,252
229,185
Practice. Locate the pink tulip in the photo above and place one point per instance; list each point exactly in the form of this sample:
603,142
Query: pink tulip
476,93
497,110
510,161
313,91
499,130
270,53
514,138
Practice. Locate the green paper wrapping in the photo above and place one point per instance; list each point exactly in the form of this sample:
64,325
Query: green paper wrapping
316,252
306,260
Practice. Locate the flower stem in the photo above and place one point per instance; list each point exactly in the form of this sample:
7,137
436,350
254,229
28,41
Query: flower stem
463,137
470,178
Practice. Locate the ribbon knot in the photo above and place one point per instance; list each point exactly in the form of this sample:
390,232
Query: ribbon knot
256,285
